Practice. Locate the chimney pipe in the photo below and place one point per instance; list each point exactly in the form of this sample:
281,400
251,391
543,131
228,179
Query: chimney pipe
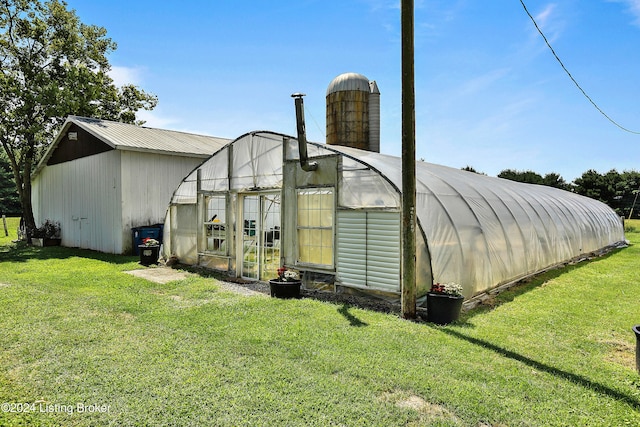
302,139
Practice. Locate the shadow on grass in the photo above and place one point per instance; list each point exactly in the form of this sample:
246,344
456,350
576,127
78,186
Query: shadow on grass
353,320
21,252
574,378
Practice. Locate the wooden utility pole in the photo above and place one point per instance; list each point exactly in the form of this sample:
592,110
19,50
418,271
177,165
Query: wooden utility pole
634,203
408,164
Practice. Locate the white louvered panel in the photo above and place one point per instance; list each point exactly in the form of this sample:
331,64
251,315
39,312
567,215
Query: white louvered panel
383,251
369,250
352,249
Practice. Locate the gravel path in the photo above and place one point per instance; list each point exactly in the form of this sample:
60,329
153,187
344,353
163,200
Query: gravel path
162,274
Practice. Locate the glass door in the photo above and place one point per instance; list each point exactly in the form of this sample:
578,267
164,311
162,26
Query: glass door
260,236
251,217
270,259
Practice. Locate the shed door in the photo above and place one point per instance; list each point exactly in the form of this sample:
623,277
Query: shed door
368,244
81,232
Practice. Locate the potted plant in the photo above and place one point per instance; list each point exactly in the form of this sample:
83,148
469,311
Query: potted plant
287,285
47,235
149,251
444,303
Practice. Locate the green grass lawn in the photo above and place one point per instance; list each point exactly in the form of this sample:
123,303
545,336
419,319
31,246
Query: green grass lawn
12,230
76,332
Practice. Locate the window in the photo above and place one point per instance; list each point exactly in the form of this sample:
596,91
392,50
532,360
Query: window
215,225
315,226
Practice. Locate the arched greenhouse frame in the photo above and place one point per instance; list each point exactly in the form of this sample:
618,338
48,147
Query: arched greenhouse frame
251,208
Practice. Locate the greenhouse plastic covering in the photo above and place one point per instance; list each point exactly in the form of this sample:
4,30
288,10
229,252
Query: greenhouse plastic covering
475,230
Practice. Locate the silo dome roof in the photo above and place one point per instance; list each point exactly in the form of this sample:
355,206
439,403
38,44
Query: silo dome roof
349,81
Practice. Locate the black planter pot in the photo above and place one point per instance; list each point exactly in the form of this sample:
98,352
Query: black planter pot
285,289
51,241
443,309
45,241
149,254
636,329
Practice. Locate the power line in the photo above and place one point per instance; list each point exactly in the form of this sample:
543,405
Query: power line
570,76
308,112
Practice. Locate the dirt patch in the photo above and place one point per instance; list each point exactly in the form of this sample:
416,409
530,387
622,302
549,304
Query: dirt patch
4,285
182,302
160,274
429,412
621,352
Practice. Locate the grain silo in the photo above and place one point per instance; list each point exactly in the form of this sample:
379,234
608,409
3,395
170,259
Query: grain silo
353,112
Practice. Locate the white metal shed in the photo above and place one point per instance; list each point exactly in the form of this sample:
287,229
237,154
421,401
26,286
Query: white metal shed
101,178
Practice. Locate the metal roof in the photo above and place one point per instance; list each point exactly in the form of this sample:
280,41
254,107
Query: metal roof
122,136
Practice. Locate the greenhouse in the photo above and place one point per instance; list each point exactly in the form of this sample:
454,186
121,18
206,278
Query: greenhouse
333,211
253,207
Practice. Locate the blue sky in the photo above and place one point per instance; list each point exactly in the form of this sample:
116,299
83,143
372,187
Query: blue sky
489,93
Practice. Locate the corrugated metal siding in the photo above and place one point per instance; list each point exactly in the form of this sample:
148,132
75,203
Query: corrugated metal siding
84,196
148,182
368,249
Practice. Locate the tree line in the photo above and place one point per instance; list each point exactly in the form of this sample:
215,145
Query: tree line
619,190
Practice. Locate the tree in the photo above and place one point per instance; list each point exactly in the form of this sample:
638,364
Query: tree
550,180
553,179
630,187
529,177
618,190
9,202
52,66
590,184
472,169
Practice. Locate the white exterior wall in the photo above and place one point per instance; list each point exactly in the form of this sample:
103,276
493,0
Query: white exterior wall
148,182
98,199
84,196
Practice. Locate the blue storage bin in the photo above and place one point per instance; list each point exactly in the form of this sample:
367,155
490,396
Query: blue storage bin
140,233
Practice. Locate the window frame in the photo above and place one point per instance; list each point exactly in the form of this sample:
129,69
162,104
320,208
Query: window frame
217,233
328,228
